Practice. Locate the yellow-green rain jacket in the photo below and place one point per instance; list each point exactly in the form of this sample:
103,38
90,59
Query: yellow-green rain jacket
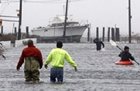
58,56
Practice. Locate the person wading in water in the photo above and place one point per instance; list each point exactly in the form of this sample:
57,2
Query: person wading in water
57,56
33,61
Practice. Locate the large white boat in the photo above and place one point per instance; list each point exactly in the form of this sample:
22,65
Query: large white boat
54,31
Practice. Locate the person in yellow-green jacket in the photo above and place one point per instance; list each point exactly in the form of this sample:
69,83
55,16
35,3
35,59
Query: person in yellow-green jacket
57,57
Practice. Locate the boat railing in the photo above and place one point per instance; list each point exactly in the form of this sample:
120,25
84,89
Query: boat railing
83,22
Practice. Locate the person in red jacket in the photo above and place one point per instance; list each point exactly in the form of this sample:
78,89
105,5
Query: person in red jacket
33,61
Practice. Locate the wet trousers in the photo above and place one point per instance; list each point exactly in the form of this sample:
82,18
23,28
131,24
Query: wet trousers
56,73
31,69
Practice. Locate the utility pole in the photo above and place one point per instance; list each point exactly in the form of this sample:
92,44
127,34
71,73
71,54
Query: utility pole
20,20
65,22
129,18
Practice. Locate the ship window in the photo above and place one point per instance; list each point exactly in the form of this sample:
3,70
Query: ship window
72,24
55,25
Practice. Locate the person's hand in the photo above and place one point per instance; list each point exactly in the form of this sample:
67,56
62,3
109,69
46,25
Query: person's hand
18,69
40,66
46,66
75,68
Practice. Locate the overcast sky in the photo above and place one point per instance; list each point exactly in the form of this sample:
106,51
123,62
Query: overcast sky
100,13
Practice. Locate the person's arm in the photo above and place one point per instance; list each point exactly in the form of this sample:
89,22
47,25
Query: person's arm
21,61
48,60
102,44
120,54
1,44
94,41
70,61
131,57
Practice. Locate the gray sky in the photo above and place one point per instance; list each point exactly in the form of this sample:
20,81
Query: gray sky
100,13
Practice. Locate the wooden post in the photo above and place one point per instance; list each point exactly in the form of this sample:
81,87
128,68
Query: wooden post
2,30
129,18
108,36
113,34
65,22
20,20
117,34
88,34
103,38
27,32
97,32
15,30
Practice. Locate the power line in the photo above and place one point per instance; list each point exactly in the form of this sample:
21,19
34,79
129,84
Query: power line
7,4
41,1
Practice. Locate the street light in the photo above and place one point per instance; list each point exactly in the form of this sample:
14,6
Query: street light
17,12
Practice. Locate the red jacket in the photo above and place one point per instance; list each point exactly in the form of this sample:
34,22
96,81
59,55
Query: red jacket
30,51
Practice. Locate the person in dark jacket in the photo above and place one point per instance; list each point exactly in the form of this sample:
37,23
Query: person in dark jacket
33,61
126,55
99,44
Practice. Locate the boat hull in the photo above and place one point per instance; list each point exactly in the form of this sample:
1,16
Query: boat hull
73,34
75,38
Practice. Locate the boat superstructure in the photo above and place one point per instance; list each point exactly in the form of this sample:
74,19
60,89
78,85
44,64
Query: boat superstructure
54,31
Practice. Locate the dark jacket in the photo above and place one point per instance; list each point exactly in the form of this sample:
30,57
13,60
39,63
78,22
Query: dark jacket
30,51
99,44
126,56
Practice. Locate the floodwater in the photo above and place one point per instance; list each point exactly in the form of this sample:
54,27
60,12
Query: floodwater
96,70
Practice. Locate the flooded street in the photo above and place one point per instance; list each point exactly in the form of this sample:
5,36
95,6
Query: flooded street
96,70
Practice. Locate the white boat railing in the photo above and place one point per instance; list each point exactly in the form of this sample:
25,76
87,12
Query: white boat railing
83,22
